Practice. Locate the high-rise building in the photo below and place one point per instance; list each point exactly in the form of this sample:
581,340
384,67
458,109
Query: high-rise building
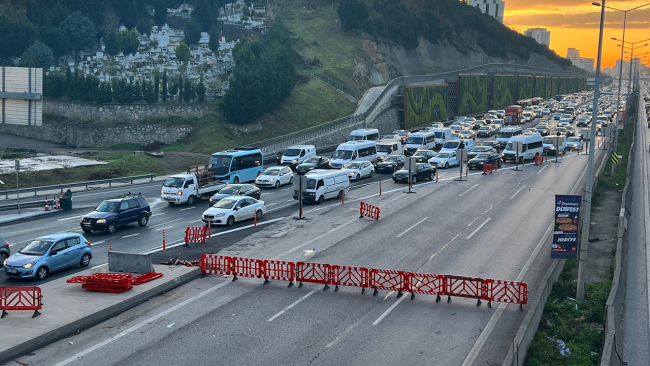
587,64
541,35
573,54
490,7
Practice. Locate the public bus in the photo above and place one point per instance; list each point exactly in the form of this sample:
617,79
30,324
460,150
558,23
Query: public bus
242,164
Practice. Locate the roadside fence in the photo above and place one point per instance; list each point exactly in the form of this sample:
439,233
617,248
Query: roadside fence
367,210
21,298
195,235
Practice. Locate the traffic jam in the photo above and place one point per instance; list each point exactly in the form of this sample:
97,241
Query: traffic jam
235,183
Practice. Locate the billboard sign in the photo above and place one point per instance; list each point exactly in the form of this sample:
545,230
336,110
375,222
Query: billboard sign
565,233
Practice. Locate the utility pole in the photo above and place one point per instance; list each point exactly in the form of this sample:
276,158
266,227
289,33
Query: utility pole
17,165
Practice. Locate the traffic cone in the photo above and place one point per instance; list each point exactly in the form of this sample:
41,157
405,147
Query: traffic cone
47,207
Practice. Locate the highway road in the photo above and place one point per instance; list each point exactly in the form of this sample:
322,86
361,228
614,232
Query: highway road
494,226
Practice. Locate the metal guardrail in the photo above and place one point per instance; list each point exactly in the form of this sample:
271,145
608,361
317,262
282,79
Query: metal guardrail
14,206
110,181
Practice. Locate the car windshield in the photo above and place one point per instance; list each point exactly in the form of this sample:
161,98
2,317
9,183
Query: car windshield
108,206
174,182
343,154
483,155
291,152
272,171
311,183
383,148
311,161
36,247
484,128
351,166
414,140
504,135
547,140
392,159
442,155
234,190
420,153
355,138
225,204
574,139
451,144
481,149
220,164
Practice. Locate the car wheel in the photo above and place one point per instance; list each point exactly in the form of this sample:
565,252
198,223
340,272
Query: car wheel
191,200
235,180
85,260
371,173
111,229
321,199
446,165
357,178
277,184
3,256
144,219
231,221
340,195
41,273
259,214
431,177
414,179
291,180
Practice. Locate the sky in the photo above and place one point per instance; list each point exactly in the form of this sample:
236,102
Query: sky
575,23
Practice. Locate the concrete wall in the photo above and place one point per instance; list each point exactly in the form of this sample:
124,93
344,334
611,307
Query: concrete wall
387,122
123,112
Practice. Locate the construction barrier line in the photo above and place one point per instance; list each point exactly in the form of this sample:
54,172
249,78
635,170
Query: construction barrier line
195,235
462,286
278,270
21,298
367,210
216,264
350,276
387,279
314,273
425,283
246,267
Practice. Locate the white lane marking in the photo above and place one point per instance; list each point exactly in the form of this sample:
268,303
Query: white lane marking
281,207
467,191
163,228
128,236
414,225
99,242
140,325
164,223
389,310
101,265
478,228
282,190
541,170
520,189
291,200
187,208
290,306
70,218
158,214
270,204
195,221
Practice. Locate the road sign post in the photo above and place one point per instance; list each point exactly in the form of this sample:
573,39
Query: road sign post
463,155
410,166
302,185
517,146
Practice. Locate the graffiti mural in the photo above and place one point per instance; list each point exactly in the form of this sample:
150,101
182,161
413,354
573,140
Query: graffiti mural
525,83
472,91
503,91
424,104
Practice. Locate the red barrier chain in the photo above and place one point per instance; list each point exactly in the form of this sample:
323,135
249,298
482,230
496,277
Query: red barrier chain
367,210
461,286
21,298
314,273
512,292
246,267
278,270
195,235
350,276
216,264
387,279
425,283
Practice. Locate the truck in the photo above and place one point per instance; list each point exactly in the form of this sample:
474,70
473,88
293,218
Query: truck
513,115
198,182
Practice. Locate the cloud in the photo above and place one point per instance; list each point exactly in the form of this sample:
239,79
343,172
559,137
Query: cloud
638,19
528,4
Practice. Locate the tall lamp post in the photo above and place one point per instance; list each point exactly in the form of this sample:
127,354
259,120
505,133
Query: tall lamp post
584,242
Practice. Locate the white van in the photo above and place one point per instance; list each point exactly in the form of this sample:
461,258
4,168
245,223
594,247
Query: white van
295,155
354,150
504,135
420,141
364,134
454,145
531,146
442,135
322,184
388,147
550,142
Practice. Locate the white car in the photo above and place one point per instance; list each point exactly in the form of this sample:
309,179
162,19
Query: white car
501,113
546,112
232,209
575,143
358,169
564,121
444,159
275,176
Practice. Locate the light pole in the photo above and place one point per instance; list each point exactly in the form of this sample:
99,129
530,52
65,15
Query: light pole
584,242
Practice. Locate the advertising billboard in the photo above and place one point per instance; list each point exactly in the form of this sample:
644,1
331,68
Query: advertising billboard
565,233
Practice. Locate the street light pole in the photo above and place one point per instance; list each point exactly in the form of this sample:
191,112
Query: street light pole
629,83
618,101
584,240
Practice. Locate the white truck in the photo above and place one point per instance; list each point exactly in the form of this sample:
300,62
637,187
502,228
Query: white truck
198,182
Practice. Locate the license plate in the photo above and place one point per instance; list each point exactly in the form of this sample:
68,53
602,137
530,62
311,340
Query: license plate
11,270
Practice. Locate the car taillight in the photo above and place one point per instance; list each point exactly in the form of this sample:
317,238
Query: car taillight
7,244
88,243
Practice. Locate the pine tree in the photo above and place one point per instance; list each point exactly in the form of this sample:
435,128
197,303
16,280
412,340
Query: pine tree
180,86
164,87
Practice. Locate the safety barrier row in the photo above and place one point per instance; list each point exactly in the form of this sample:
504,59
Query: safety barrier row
21,298
195,235
489,290
367,210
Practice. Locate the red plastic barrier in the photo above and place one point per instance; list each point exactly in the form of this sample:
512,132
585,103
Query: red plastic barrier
21,298
350,276
387,279
146,277
216,264
278,270
539,160
370,211
246,267
425,283
512,292
78,279
461,286
314,273
195,235
487,168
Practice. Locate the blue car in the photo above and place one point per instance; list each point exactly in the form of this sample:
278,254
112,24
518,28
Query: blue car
49,254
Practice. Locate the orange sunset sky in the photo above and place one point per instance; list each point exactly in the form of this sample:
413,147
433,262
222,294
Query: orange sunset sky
575,23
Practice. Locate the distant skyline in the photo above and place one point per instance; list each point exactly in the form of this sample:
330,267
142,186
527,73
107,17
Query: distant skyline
575,23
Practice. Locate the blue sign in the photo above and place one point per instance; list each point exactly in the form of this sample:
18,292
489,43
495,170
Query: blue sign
565,233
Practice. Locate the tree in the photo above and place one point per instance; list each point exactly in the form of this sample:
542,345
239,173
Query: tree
154,43
180,86
56,40
188,92
160,14
204,13
164,86
353,14
200,90
143,26
42,54
156,82
28,61
182,52
173,90
16,34
130,41
214,39
79,30
192,32
112,43
104,94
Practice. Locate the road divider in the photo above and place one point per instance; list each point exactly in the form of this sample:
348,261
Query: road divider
481,289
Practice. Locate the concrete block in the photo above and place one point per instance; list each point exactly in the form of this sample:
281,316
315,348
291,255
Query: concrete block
128,262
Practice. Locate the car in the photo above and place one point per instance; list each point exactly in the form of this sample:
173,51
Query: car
314,162
275,176
359,169
422,156
444,159
543,129
493,158
564,121
561,130
5,251
497,124
466,126
390,164
438,125
478,124
115,212
570,131
528,116
456,136
530,130
485,131
421,171
232,209
403,135
575,143
557,116
236,190
48,254
468,134
390,137
582,122
491,143
546,111
501,113
479,149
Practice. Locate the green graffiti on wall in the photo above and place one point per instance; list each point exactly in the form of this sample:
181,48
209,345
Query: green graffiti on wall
555,86
425,104
472,90
564,85
525,86
503,91
540,86
548,91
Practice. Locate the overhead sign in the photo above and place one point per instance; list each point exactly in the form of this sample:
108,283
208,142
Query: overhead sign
591,81
565,233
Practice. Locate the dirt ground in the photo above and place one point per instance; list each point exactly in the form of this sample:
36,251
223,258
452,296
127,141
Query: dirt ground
602,234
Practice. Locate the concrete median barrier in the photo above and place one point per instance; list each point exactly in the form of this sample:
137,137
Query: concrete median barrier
127,262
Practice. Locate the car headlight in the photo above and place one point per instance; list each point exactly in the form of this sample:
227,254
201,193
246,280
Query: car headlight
351,173
294,160
442,161
29,265
101,221
179,193
162,192
4,263
220,214
271,180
